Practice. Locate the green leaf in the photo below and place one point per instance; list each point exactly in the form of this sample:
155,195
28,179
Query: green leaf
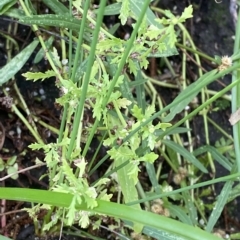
13,169
187,95
126,182
234,193
123,102
16,64
11,160
4,238
39,75
112,9
5,5
15,13
220,204
2,165
178,212
41,53
124,12
216,155
149,157
136,6
186,14
137,112
56,6
120,211
62,21
186,154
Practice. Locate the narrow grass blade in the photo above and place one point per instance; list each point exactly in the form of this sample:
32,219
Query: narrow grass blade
157,233
220,204
176,130
39,56
178,212
189,205
187,155
10,69
234,193
216,155
187,95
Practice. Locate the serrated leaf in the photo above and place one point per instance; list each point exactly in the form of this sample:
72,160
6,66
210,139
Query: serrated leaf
137,112
123,102
16,64
187,13
36,146
124,12
136,6
39,75
150,157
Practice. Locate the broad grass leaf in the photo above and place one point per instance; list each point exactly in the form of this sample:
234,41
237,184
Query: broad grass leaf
186,154
16,64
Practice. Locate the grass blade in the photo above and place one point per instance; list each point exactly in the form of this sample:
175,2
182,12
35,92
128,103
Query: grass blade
187,155
56,6
221,201
111,209
216,155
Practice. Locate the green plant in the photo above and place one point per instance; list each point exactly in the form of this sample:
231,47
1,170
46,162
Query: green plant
103,76
10,165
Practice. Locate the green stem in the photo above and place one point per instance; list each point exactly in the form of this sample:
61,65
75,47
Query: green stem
235,96
86,79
